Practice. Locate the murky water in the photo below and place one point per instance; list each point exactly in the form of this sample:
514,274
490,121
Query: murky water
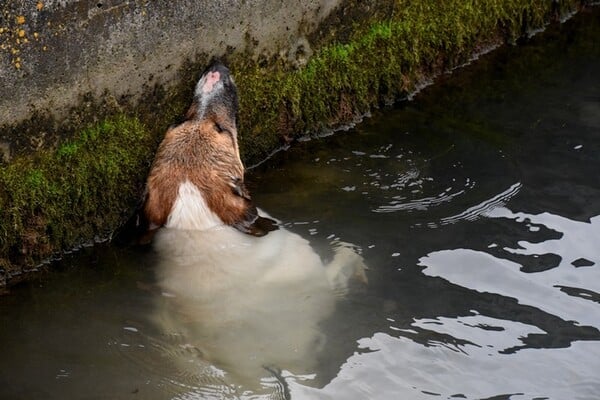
475,209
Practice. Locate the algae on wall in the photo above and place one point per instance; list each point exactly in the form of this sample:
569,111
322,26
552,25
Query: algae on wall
61,198
380,61
73,195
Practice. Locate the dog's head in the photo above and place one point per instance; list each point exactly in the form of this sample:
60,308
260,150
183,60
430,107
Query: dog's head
215,95
215,101
201,155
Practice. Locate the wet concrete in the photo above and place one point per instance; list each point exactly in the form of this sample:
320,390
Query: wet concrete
60,54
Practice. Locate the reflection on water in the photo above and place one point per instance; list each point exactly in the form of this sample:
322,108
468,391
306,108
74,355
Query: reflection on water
576,246
500,353
565,291
475,208
397,367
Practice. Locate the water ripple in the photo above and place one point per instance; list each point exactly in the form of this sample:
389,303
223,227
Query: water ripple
419,204
485,207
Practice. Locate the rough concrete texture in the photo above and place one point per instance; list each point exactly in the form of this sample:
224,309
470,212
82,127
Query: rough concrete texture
56,54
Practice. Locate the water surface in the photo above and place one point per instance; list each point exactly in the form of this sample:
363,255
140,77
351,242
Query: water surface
476,210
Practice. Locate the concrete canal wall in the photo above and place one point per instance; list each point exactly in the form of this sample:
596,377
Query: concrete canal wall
60,55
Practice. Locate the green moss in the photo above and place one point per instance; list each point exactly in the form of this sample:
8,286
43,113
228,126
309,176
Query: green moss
381,60
67,196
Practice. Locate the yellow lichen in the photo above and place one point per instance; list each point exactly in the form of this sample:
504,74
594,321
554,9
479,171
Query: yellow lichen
36,35
21,33
20,20
39,6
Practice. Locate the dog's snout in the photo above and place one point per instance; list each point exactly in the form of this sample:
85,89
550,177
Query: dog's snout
215,78
215,90
220,68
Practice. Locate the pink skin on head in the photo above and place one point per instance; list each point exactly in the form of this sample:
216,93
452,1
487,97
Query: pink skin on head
211,79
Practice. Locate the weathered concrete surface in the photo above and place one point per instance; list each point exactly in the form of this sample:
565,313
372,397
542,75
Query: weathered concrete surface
58,54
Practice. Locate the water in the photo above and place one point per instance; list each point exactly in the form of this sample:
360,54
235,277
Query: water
474,209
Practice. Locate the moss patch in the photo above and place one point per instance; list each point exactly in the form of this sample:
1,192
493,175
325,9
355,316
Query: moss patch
379,61
86,187
78,192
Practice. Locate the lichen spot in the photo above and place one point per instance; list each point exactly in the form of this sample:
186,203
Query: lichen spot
211,79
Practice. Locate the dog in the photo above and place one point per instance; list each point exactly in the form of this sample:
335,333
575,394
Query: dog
247,294
197,178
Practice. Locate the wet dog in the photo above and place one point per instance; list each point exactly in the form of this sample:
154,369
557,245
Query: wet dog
248,297
197,178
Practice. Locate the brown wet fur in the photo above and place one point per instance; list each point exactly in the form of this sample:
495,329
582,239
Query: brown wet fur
203,151
197,152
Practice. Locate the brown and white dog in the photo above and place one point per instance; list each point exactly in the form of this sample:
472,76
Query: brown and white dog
247,296
197,178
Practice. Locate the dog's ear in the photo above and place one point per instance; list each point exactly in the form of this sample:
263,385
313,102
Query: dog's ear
252,223
262,225
255,225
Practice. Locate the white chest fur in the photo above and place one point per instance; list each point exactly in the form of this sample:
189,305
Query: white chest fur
190,210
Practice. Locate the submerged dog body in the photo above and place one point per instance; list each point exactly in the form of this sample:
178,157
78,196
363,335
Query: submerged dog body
249,305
